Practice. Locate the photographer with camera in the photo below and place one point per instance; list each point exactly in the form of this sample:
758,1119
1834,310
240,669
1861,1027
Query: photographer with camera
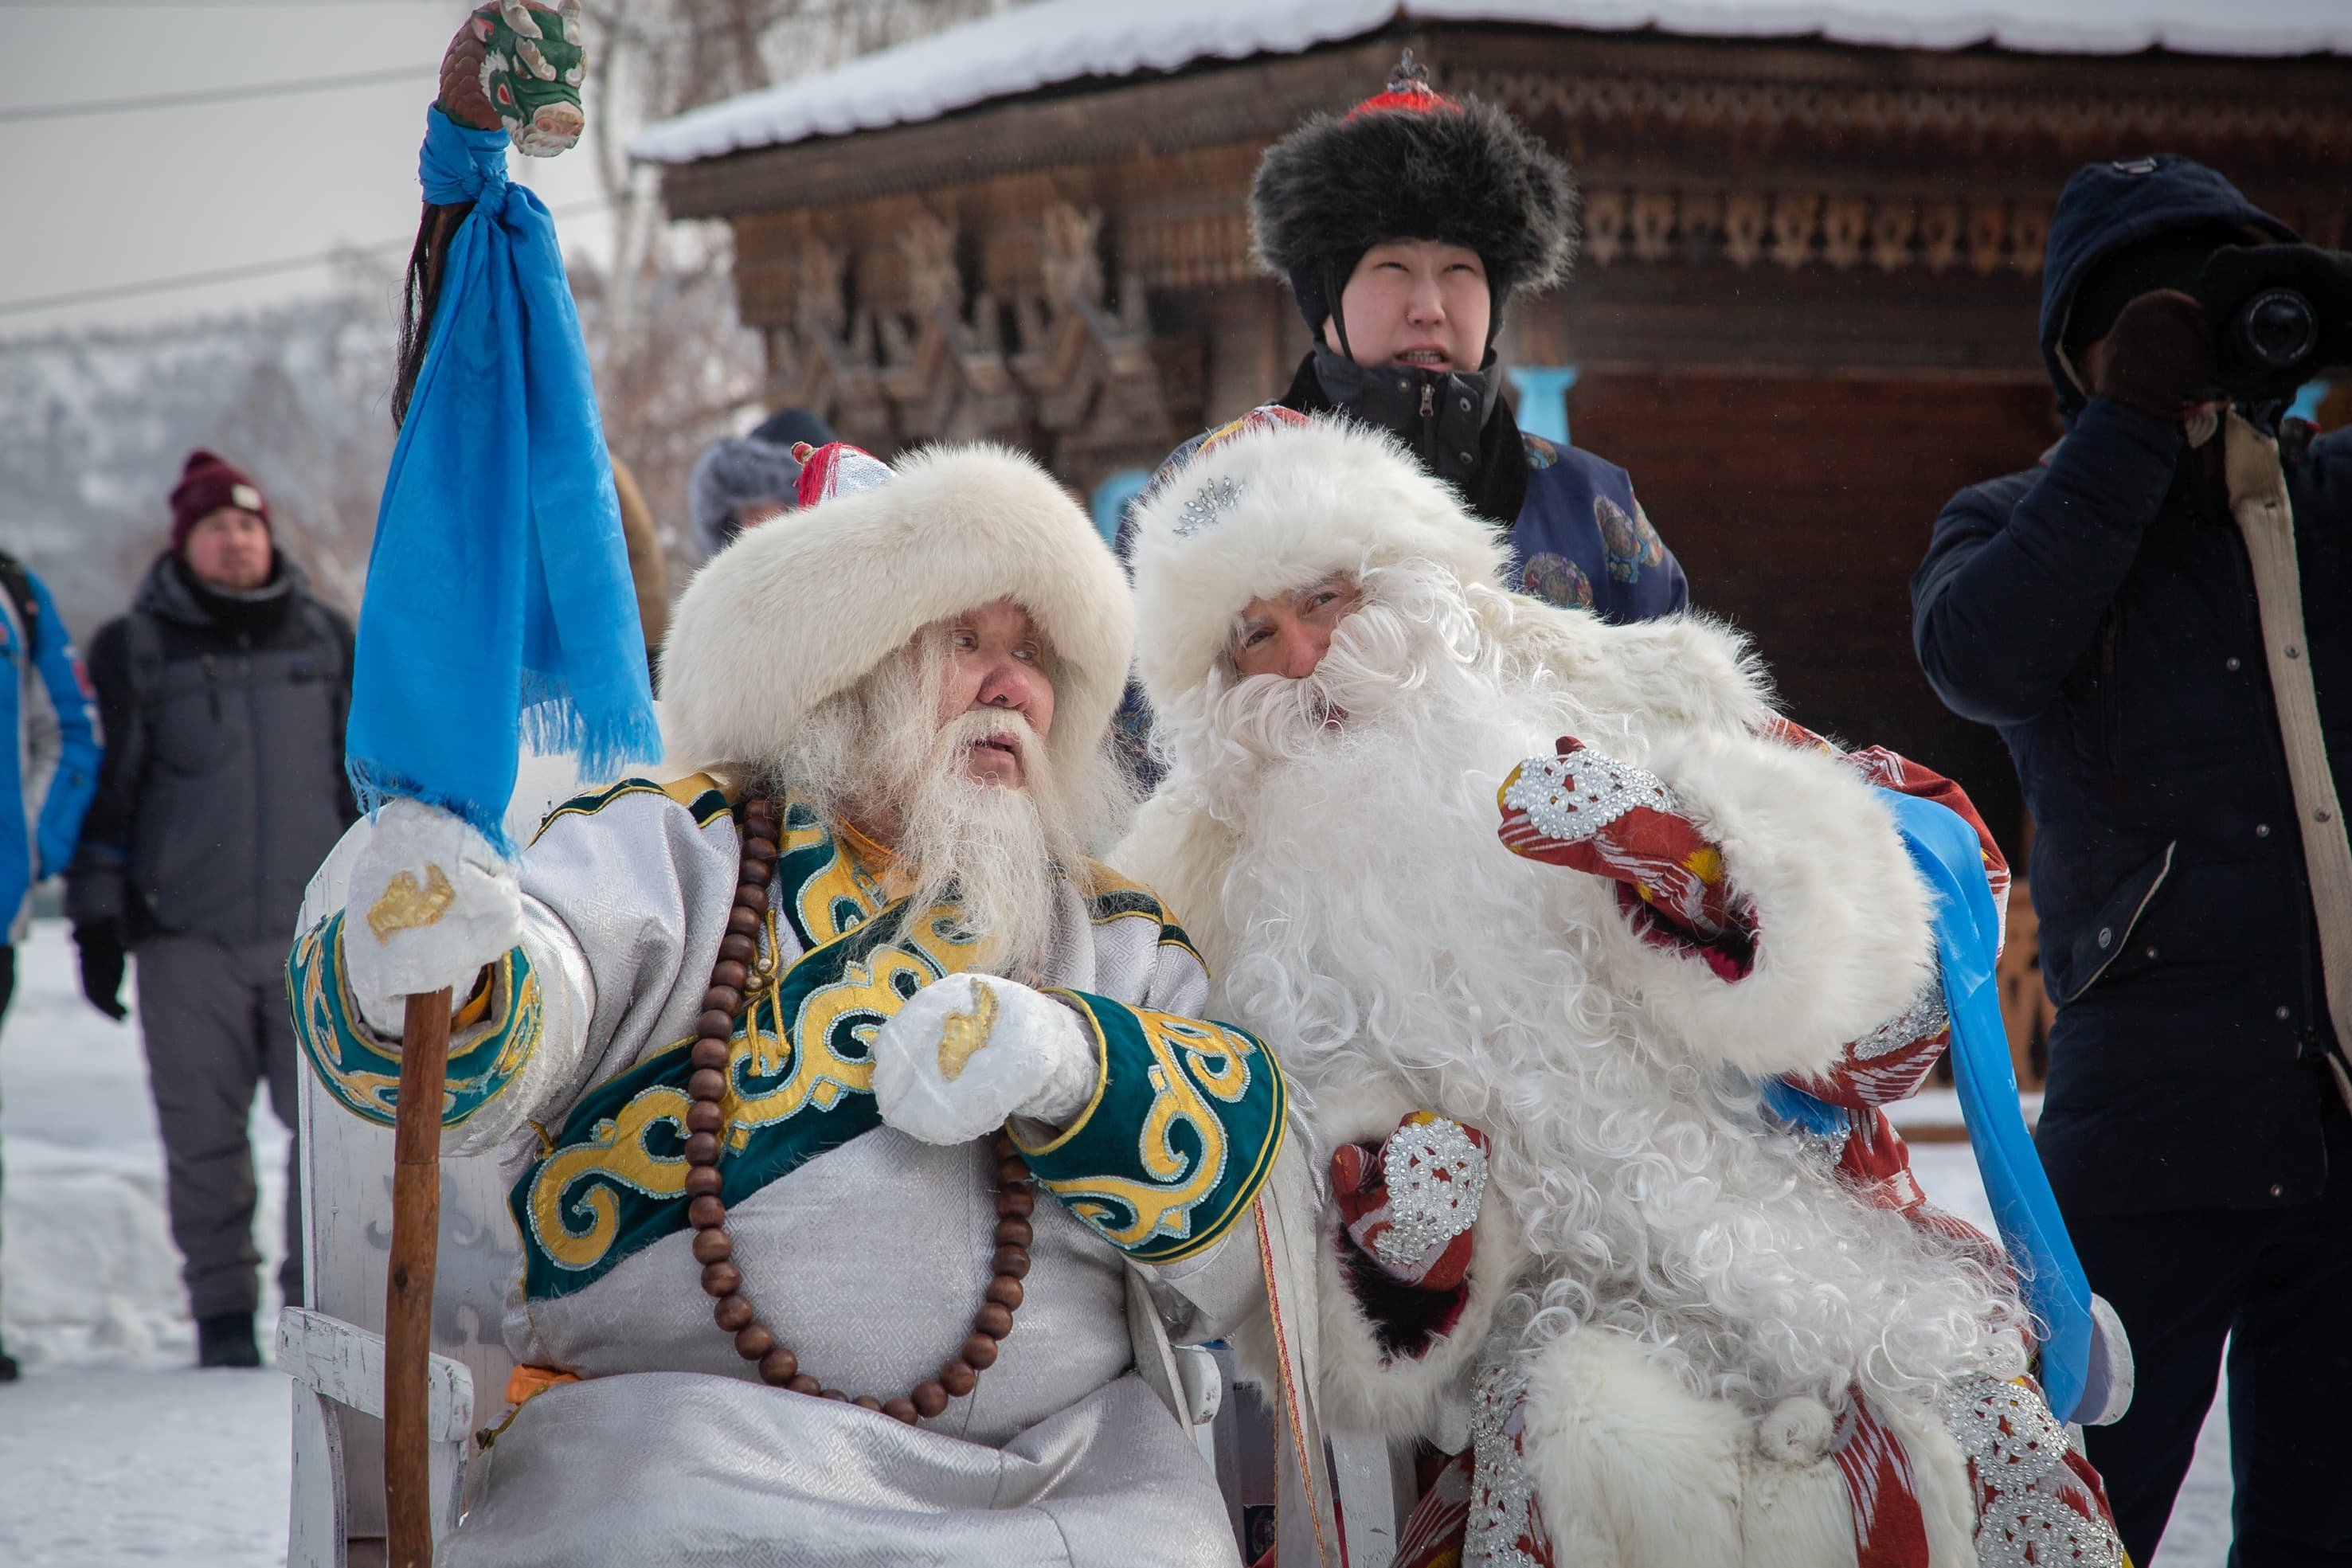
2152,617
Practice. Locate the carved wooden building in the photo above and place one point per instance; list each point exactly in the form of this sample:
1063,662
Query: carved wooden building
1804,312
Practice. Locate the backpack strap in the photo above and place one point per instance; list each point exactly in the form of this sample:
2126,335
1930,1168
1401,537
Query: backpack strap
144,641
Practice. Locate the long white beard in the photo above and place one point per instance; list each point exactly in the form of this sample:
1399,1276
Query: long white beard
999,852
987,846
1383,933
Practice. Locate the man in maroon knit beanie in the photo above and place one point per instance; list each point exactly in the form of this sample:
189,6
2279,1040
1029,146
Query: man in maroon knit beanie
218,498
223,693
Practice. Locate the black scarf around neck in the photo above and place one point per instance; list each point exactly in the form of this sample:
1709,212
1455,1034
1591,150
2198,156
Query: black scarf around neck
1423,409
251,613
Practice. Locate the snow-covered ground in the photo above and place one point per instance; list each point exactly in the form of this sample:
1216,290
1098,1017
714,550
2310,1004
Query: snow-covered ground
114,1450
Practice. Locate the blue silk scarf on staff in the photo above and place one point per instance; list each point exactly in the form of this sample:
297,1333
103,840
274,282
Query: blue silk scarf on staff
500,609
1968,941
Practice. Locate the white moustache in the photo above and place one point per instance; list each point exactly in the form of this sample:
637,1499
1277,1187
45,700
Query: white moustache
988,727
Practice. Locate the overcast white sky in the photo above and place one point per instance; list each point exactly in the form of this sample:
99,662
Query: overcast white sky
91,200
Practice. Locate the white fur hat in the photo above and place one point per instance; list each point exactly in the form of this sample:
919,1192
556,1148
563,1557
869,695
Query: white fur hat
804,607
1271,503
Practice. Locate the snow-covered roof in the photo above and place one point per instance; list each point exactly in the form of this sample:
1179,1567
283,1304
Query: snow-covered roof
1051,42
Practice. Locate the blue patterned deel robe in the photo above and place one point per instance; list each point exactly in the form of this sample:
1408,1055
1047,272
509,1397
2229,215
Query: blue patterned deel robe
1584,542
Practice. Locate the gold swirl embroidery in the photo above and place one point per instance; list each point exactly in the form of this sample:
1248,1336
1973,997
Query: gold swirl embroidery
938,937
405,907
332,1045
523,1012
846,1012
964,1035
613,1151
1217,1057
1163,1205
836,897
342,1052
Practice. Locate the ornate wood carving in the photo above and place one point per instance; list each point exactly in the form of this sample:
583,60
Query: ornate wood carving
1073,259
1003,271
1057,367
1799,227
1756,94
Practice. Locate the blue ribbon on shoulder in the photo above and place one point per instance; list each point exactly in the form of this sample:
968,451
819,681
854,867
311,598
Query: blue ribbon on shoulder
1945,852
500,609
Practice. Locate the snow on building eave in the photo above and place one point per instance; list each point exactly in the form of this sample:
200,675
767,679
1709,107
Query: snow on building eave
1057,43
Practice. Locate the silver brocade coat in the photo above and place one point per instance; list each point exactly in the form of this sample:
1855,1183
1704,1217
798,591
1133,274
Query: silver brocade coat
864,1251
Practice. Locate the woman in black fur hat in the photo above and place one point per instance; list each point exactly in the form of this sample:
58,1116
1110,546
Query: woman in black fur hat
1403,226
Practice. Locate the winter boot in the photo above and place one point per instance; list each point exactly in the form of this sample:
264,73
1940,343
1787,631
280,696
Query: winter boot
226,1340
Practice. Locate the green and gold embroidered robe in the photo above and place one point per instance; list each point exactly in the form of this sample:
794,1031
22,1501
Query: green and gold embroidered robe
866,1250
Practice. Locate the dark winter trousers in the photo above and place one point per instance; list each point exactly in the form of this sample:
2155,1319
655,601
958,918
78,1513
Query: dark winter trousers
217,1025
2274,1284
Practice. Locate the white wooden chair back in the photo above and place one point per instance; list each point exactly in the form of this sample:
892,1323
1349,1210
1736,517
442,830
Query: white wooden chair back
333,1344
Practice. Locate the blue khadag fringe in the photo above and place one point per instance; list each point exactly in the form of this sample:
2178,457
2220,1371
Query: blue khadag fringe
499,609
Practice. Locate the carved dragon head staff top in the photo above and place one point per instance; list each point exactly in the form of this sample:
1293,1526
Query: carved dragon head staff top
519,64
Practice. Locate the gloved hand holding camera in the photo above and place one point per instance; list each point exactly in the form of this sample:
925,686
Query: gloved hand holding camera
2158,357
2281,314
2182,319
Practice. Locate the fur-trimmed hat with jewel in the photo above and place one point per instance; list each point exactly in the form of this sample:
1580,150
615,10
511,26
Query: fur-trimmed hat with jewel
1410,162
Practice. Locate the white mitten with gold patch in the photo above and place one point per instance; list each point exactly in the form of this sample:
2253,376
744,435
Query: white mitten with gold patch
430,903
969,1052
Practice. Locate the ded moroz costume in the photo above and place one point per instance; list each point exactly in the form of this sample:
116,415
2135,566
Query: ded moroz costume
753,1094
1618,1230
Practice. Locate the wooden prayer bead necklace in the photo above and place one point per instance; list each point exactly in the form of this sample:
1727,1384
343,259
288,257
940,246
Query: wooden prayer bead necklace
740,969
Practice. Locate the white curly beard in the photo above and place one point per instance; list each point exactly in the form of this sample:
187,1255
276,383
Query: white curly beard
1384,934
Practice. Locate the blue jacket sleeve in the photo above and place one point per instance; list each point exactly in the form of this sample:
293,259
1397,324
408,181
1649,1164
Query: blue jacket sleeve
76,779
2007,602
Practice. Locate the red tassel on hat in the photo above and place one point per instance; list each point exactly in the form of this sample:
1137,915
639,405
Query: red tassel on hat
1408,89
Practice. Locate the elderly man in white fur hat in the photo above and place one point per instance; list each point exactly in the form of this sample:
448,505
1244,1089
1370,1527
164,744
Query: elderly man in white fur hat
868,1142
1617,1232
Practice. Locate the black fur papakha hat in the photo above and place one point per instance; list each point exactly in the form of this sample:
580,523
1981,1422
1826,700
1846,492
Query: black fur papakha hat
1411,163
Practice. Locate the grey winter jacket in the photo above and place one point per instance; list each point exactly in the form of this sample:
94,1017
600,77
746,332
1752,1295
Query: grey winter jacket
222,787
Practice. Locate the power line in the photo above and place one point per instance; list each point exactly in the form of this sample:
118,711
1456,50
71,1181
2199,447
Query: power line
412,74
238,274
198,5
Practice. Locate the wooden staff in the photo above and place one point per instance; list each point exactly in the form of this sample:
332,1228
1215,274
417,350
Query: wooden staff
516,64
408,1286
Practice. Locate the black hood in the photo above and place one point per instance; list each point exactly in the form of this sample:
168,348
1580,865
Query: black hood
2107,206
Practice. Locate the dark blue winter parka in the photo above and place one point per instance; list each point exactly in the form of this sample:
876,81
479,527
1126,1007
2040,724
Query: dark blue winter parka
2099,611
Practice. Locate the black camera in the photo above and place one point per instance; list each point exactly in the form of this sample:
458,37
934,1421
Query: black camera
2281,314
